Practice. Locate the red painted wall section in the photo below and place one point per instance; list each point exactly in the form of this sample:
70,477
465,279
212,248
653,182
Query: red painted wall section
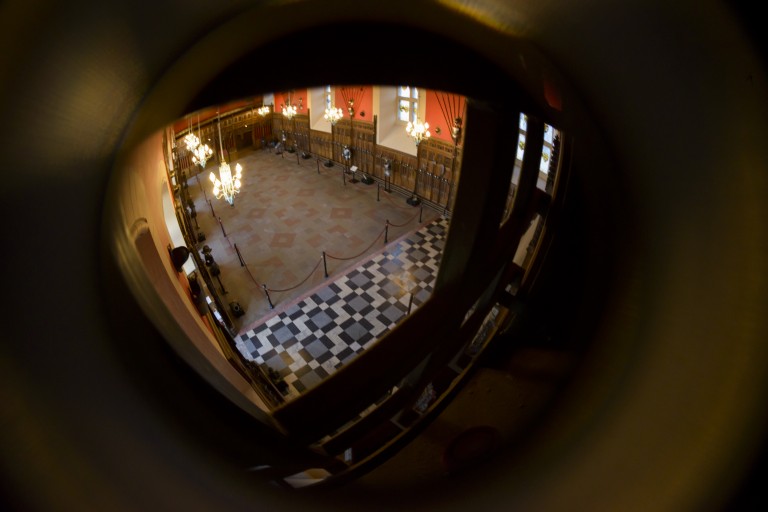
434,114
281,98
338,100
366,106
299,97
363,95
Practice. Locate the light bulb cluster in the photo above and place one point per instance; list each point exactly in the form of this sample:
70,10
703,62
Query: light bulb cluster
201,154
289,111
263,111
228,185
192,141
418,131
333,114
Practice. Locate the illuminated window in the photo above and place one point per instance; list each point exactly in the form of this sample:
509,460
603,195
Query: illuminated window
407,103
328,93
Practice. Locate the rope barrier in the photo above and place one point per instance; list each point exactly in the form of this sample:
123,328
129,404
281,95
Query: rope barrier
363,252
239,256
404,224
301,283
251,275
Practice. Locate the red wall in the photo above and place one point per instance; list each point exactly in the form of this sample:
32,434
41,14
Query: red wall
281,98
434,115
363,101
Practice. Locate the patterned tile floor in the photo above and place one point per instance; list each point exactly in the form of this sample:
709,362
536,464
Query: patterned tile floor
289,212
315,336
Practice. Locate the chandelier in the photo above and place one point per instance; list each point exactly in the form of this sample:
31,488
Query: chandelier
201,152
289,111
263,111
226,185
418,131
333,114
191,141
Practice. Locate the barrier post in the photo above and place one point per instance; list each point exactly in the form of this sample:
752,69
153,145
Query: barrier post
239,256
410,303
421,212
378,192
221,284
222,228
386,231
325,265
213,214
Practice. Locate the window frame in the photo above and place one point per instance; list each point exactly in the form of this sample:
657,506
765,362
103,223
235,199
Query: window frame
413,103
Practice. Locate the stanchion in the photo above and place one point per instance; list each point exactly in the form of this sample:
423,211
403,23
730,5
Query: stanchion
221,284
213,214
421,212
318,165
239,256
448,198
378,192
222,228
386,231
271,306
344,177
325,265
410,303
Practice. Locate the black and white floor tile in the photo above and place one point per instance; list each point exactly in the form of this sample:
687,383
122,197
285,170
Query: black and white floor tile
313,338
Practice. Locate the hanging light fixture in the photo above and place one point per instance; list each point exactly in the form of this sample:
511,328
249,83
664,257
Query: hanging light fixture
332,115
226,185
202,152
418,131
289,111
263,110
190,139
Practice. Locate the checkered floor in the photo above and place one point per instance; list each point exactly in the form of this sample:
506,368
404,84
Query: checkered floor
320,333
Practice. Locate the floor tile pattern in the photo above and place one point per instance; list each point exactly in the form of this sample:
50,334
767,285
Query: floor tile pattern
325,330
289,211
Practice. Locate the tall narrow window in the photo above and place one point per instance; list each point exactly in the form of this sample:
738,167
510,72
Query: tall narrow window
328,96
407,103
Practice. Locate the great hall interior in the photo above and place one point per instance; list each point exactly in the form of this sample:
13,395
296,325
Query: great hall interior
303,239
434,255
